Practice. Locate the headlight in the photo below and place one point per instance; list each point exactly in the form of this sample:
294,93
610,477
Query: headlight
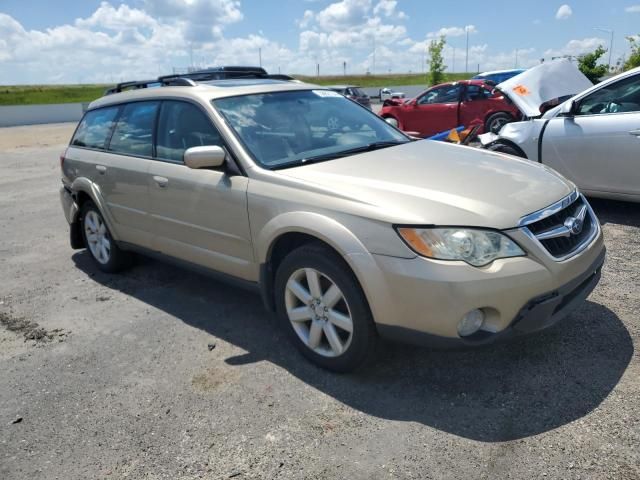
476,247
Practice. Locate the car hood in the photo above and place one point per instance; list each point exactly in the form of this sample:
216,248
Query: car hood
434,183
544,82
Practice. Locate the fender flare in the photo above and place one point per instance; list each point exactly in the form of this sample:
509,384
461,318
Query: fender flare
361,262
84,185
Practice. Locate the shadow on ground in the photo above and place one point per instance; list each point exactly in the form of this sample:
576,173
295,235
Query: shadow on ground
500,393
611,211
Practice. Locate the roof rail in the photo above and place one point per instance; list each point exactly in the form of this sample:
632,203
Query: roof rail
170,80
190,79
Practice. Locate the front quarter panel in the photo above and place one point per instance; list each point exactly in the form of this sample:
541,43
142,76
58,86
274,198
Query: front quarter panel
523,134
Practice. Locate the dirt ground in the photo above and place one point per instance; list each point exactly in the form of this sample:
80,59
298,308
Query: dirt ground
159,373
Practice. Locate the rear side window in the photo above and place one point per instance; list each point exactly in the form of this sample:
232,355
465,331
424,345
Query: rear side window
182,125
95,128
133,134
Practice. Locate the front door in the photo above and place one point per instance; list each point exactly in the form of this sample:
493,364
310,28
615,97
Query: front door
198,215
599,146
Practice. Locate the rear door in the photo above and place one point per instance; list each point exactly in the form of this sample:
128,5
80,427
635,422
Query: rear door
434,111
198,215
123,172
599,147
475,105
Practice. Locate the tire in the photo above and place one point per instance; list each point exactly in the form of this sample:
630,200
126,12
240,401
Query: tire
341,305
104,251
495,122
508,149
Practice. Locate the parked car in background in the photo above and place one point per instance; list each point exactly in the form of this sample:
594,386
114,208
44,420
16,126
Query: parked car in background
348,233
353,93
593,138
498,76
449,105
388,94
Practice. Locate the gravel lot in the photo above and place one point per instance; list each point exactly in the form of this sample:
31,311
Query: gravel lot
105,376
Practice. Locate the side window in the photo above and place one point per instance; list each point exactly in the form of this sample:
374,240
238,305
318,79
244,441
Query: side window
133,134
445,94
95,128
182,125
620,97
476,92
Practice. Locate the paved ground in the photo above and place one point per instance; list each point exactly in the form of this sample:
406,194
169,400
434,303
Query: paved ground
107,376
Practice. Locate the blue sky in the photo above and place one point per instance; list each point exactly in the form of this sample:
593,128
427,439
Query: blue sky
66,41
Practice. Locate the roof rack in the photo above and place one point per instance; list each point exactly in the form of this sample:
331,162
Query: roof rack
175,81
190,79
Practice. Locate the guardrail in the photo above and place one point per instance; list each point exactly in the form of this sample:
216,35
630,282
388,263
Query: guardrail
15,115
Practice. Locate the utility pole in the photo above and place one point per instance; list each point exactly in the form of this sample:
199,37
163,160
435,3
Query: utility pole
453,68
374,55
466,62
260,55
344,68
609,31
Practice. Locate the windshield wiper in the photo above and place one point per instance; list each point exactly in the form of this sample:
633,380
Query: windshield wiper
351,151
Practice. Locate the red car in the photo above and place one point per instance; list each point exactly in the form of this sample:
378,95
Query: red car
449,105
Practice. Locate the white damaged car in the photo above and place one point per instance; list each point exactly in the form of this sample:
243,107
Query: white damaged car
592,138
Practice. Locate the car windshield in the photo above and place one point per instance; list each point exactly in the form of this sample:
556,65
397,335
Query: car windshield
286,129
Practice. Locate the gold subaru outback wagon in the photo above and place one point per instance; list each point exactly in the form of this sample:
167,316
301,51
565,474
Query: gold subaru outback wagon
349,229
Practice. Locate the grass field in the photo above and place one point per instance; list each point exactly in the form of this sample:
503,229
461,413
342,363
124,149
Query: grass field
389,80
43,94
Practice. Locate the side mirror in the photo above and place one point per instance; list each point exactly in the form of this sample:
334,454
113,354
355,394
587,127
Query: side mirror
568,109
208,156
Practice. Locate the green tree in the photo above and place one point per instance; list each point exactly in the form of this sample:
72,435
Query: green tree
588,65
634,59
436,61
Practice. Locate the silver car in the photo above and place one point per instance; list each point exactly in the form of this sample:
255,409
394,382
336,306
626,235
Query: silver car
349,234
592,138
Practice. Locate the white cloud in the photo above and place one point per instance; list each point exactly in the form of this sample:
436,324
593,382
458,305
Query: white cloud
453,31
564,12
632,9
576,47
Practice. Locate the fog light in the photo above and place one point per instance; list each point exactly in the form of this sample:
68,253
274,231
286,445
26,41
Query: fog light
471,323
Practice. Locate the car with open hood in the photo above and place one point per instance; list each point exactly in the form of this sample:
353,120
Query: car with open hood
349,233
589,133
450,105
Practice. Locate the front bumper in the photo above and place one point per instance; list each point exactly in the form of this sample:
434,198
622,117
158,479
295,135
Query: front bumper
421,301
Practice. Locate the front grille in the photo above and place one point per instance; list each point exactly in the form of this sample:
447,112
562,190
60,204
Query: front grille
554,234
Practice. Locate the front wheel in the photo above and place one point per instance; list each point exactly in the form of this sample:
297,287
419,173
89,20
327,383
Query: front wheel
508,149
321,305
103,249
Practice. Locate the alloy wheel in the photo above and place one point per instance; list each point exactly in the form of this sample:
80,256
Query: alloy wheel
97,237
318,312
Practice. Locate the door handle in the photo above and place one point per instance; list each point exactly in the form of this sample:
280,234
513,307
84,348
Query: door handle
101,169
635,132
161,181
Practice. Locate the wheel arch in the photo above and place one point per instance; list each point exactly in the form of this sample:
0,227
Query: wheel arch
294,229
85,190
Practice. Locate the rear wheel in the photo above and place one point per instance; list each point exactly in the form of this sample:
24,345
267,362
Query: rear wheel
103,249
321,305
496,121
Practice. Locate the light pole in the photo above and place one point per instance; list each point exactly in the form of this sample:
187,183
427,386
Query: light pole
610,32
466,61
